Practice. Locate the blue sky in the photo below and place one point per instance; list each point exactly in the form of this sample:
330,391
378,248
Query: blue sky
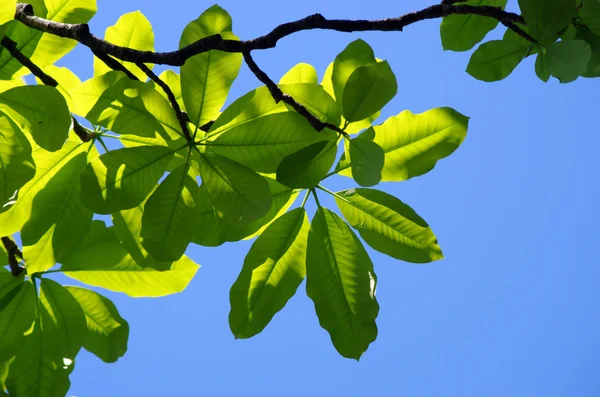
512,310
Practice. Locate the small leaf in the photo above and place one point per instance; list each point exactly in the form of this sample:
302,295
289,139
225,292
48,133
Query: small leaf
462,32
107,331
238,193
341,282
547,18
368,89
388,225
568,59
308,166
272,272
496,59
121,179
301,73
132,30
206,78
169,215
101,261
367,159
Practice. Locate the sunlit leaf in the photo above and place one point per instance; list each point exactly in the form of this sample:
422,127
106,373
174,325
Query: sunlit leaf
341,282
301,73
121,179
367,160
58,220
272,272
16,163
132,30
17,313
101,261
169,215
107,332
40,111
413,143
388,225
207,77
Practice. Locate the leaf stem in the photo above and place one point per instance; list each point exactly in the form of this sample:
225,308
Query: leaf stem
305,198
314,193
332,193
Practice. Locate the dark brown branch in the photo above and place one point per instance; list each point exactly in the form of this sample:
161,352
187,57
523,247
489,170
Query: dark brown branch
174,104
81,32
113,63
11,46
279,95
13,252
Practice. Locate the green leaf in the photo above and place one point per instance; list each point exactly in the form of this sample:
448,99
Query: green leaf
7,11
341,282
126,106
67,81
388,225
101,261
541,67
132,30
128,228
58,220
42,366
590,14
169,215
207,77
259,133
356,54
40,111
547,18
67,320
308,166
368,89
121,179
568,59
239,194
272,272
107,331
367,159
16,163
496,59
212,231
48,164
351,128
462,32
43,48
593,67
17,314
301,73
413,143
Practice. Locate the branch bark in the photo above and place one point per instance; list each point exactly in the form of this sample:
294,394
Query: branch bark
13,253
81,32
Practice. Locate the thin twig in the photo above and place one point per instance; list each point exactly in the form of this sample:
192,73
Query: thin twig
13,252
174,104
113,63
279,95
81,32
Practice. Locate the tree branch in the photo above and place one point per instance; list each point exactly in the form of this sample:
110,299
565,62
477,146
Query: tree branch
174,104
279,95
13,252
81,32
